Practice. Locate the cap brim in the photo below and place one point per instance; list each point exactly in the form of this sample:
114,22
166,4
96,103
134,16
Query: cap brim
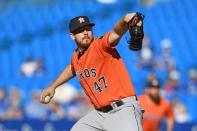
82,25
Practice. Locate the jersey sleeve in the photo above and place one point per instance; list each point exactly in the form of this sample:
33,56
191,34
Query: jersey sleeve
72,65
104,46
169,111
73,69
104,41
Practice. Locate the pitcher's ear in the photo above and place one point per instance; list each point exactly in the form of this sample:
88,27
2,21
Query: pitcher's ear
72,36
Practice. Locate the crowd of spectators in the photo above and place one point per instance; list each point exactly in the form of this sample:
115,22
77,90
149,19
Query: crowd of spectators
13,106
73,104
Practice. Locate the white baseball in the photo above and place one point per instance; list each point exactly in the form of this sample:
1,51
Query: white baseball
47,99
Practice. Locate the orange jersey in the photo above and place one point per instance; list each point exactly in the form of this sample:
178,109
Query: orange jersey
102,73
154,113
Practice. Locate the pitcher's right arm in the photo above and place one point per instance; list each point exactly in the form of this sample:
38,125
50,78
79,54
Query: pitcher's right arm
66,75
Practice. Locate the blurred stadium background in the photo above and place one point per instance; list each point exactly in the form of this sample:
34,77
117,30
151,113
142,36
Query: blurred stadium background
35,47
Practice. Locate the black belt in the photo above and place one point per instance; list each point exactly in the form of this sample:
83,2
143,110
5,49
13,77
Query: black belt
111,106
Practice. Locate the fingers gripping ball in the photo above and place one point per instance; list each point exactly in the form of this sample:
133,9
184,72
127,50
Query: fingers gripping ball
47,99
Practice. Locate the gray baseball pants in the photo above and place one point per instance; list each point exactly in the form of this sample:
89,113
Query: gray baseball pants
127,117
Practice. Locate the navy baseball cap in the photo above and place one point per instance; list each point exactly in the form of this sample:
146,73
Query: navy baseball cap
153,84
79,22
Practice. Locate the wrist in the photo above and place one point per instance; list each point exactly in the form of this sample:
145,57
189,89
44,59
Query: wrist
53,87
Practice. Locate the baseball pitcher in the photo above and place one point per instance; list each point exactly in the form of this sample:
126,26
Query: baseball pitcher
103,75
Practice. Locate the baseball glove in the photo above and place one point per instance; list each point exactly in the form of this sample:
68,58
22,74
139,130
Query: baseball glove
136,32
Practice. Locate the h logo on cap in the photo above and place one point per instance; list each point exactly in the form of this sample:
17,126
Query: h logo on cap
81,20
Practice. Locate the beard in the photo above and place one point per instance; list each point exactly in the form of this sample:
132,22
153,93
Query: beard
155,98
85,42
